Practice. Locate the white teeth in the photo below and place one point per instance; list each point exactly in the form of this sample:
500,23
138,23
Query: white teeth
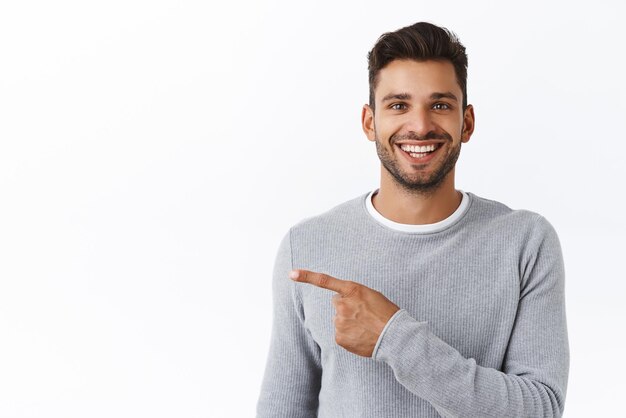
417,148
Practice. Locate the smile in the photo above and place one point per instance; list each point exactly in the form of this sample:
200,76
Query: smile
419,154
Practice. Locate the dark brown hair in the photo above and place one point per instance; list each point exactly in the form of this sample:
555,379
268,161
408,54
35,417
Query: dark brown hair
420,41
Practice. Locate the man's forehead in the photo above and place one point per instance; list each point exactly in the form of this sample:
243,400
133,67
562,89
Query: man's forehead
417,79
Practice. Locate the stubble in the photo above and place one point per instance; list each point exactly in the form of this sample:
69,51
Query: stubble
417,182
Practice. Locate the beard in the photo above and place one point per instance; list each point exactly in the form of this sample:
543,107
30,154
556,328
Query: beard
425,184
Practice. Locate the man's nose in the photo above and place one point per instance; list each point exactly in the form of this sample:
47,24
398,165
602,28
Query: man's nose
420,122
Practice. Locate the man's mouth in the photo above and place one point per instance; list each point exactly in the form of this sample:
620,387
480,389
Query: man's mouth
419,153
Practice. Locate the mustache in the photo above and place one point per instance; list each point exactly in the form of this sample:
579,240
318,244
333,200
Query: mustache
413,136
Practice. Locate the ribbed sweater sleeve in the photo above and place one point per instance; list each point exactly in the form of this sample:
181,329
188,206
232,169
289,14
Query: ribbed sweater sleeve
292,379
533,380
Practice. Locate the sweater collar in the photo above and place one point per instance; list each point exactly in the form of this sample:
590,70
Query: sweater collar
416,229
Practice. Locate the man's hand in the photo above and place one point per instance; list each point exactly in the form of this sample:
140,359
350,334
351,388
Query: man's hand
362,313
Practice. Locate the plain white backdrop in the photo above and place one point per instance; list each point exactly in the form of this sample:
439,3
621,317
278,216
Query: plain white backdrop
153,153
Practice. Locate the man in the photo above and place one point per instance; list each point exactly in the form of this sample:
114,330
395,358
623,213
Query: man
417,299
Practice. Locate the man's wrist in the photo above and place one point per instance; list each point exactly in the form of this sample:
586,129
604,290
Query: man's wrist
387,325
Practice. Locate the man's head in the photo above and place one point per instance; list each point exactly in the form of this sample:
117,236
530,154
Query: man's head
418,99
421,41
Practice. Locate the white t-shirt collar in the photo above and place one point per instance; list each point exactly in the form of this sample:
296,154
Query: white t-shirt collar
425,228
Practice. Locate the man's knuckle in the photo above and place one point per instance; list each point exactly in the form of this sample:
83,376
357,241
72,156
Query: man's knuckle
322,280
353,290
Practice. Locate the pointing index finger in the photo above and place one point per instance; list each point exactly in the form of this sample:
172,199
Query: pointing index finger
321,280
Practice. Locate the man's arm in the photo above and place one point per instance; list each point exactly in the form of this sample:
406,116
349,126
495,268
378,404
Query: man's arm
533,380
293,370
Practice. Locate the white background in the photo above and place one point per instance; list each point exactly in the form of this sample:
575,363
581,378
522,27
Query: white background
153,154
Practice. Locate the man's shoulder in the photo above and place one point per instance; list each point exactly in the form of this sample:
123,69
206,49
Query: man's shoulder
483,213
504,217
494,208
337,216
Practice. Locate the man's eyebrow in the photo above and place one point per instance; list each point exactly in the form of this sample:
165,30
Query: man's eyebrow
446,95
397,96
434,96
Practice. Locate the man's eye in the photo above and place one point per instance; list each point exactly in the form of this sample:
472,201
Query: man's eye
441,106
398,106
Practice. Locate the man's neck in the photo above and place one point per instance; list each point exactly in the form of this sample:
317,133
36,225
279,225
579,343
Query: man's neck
399,205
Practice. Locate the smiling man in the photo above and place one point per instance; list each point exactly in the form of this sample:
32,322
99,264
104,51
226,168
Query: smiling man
417,299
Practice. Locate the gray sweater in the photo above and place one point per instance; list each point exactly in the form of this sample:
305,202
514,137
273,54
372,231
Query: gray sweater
481,331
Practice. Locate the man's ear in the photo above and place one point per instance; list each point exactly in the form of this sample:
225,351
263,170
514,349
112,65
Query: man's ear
468,123
367,122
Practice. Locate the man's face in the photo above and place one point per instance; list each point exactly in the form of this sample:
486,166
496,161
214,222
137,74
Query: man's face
418,103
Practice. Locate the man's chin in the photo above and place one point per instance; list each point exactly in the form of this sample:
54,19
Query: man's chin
422,185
